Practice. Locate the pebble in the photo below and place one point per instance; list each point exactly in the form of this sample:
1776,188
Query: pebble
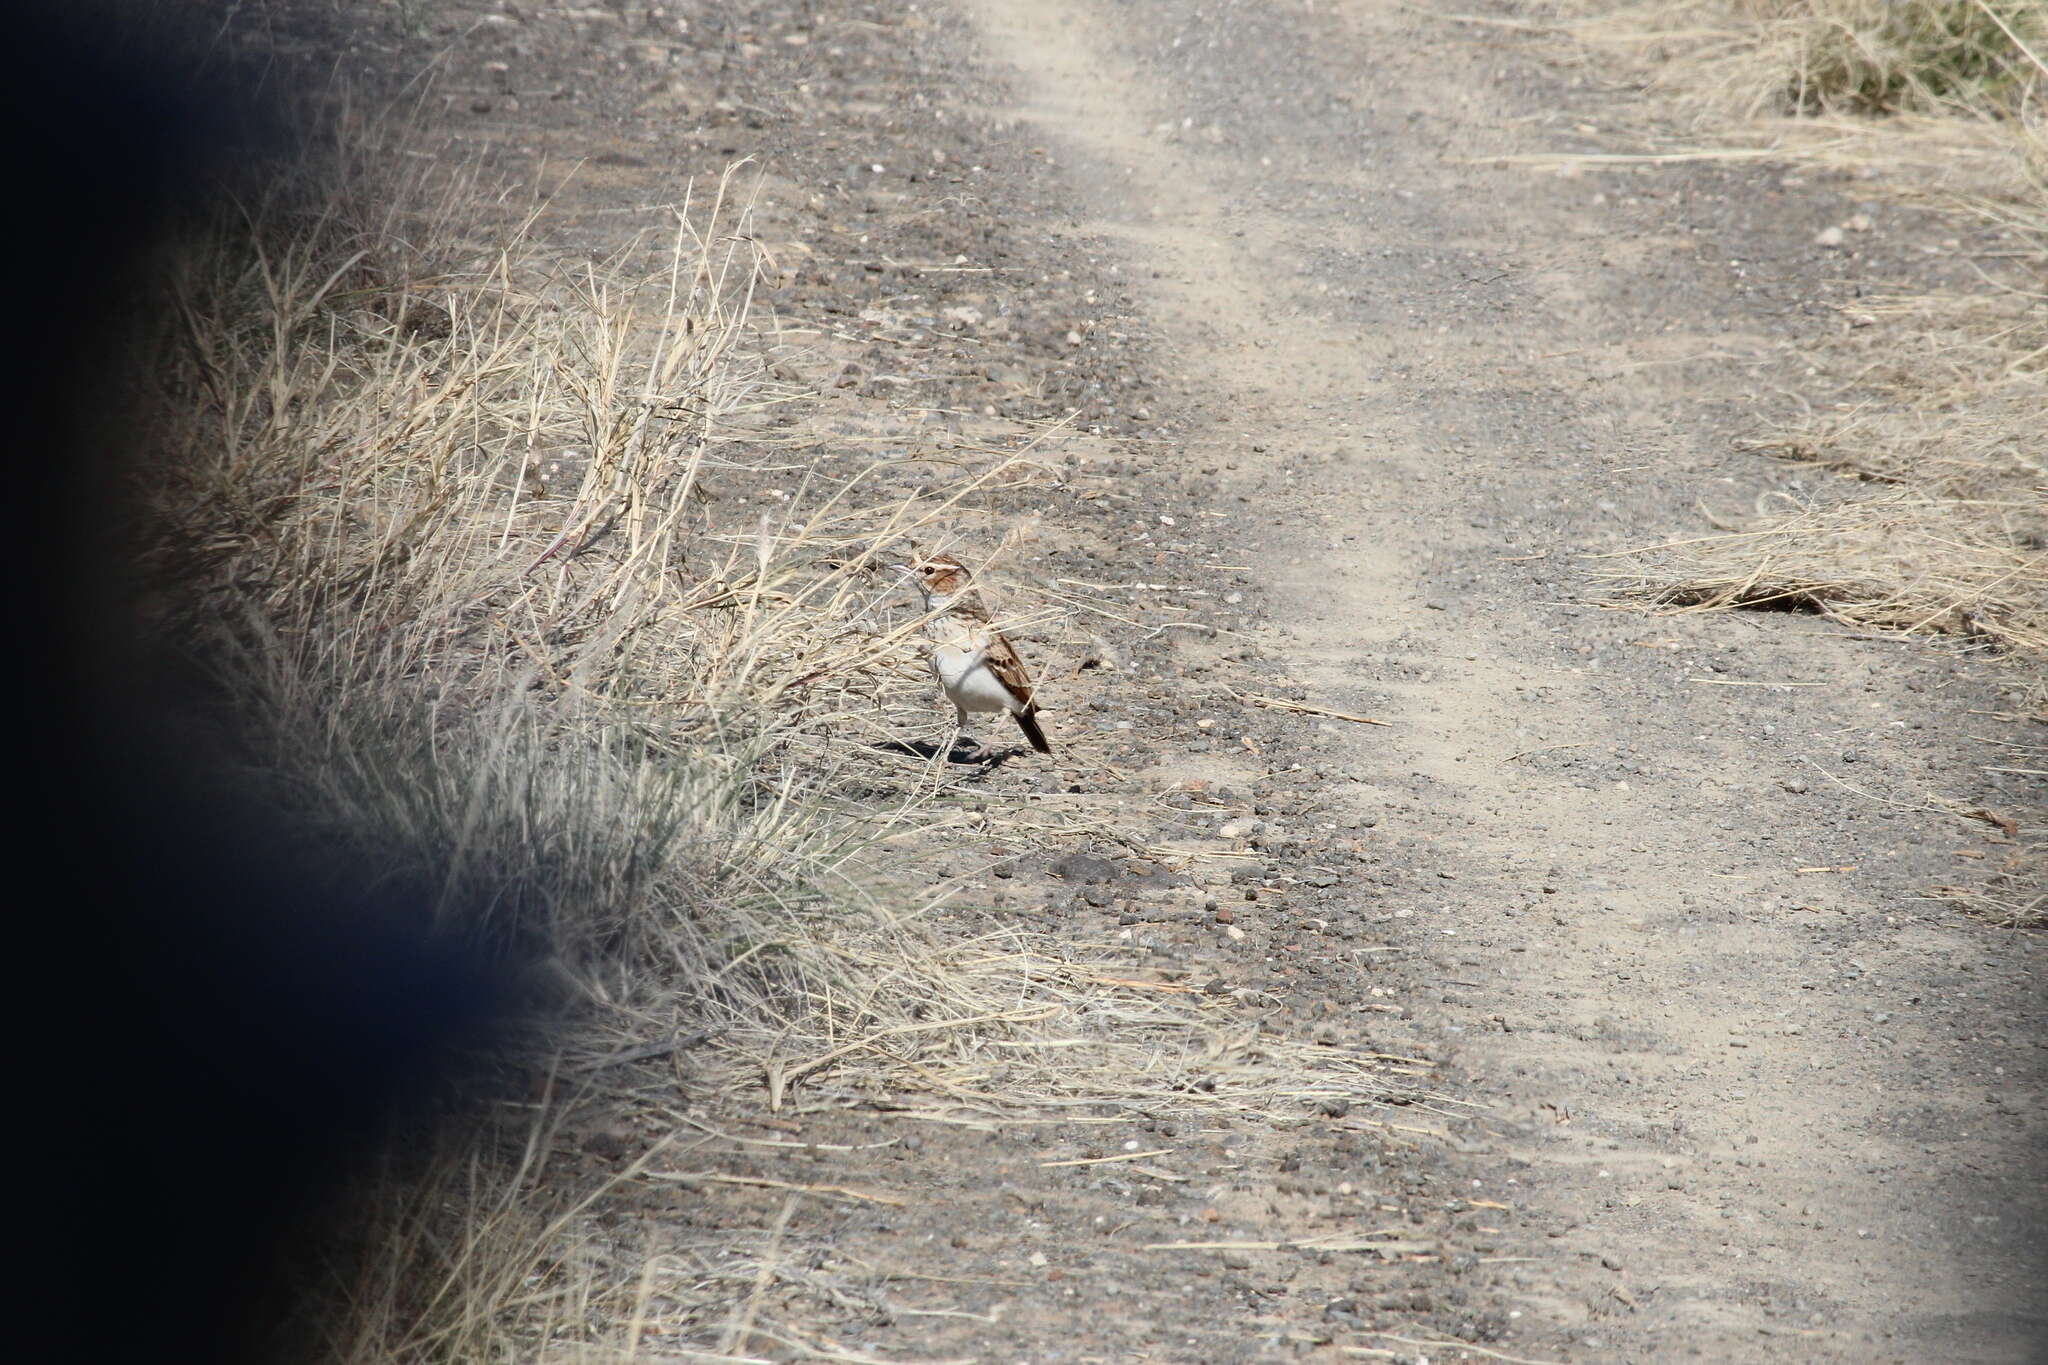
1828,237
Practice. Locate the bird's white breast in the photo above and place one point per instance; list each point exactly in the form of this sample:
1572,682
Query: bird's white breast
975,688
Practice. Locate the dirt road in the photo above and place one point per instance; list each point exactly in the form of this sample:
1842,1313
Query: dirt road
1764,1113
1647,889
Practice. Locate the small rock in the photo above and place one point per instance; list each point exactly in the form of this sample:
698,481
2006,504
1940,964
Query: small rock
1085,868
1859,222
1828,237
1795,785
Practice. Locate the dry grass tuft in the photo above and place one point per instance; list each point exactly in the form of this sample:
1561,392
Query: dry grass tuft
1899,562
1935,406
1885,56
525,602
1940,521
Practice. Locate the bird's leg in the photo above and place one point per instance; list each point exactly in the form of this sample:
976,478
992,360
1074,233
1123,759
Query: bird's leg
976,750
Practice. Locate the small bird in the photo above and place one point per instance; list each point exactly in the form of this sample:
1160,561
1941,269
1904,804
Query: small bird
977,668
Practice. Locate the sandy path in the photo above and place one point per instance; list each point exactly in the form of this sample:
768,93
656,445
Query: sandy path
1761,1113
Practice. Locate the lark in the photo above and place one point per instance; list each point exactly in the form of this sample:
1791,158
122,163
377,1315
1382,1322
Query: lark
977,668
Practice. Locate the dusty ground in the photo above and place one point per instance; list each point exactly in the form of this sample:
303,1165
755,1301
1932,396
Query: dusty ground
1356,402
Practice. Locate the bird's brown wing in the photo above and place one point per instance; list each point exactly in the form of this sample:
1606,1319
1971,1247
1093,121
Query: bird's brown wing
1009,670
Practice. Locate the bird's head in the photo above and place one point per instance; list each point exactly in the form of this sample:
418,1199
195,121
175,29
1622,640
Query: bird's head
939,578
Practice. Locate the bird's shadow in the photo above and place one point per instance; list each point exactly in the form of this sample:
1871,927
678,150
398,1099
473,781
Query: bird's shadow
979,755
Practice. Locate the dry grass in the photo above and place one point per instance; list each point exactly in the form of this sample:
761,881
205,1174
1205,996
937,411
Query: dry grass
1941,523
1755,57
1899,562
1938,521
527,600
1927,405
1937,392
521,595
472,536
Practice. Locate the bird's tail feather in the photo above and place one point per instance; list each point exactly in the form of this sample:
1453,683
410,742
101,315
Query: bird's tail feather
1027,721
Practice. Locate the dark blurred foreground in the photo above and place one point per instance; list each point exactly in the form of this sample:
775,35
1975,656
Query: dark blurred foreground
222,1016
